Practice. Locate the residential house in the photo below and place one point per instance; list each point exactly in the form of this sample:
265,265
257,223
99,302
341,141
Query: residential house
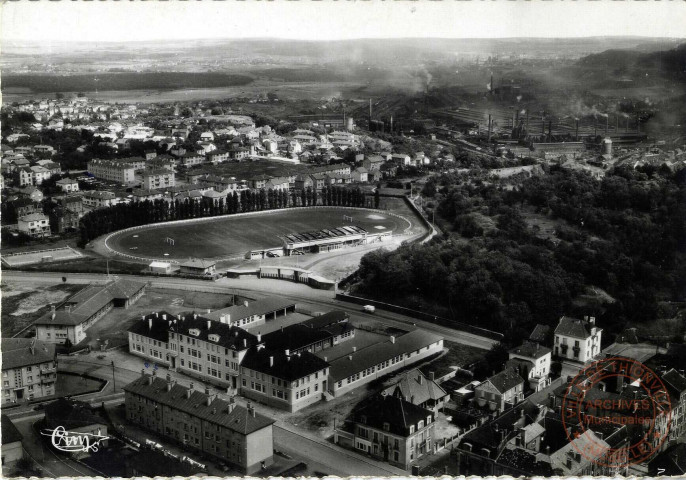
277,183
202,422
318,180
414,387
68,185
25,176
218,156
40,174
28,370
24,206
141,195
500,391
577,340
189,159
390,429
401,158
532,362
360,175
303,182
93,199
34,225
33,193
158,178
373,162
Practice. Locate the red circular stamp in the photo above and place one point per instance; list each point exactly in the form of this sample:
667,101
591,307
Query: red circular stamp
611,395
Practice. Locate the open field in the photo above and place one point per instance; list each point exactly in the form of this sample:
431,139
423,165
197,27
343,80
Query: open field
71,384
22,304
234,236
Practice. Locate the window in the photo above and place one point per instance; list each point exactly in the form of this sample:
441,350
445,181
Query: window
411,429
396,456
386,426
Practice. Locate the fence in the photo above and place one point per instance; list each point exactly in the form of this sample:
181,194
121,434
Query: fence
422,316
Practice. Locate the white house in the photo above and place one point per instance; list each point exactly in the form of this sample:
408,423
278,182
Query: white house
68,185
34,225
577,340
532,361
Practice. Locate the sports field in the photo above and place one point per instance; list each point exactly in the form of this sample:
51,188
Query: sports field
234,236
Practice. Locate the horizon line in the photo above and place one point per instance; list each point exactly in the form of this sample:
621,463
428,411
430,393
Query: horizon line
342,39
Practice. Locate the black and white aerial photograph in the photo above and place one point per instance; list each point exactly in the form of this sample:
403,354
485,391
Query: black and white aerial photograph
343,239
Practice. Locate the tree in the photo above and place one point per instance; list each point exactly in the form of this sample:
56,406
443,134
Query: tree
377,197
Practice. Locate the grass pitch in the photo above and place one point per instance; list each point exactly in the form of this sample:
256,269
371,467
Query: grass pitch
234,236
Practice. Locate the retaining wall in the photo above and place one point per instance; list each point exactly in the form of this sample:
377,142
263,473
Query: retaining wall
422,316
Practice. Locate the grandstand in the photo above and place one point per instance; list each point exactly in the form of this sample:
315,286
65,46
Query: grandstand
40,256
330,239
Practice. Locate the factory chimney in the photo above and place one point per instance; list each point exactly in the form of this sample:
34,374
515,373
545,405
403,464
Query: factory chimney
370,113
489,127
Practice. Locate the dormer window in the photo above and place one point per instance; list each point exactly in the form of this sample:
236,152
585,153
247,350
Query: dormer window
428,419
213,337
363,419
194,331
420,424
411,429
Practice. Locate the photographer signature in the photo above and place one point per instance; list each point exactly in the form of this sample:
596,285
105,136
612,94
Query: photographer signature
74,441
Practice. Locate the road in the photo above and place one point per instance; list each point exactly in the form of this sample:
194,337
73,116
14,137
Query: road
307,297
329,458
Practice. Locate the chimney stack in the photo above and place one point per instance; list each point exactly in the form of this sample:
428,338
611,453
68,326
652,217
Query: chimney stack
245,303
142,372
195,316
259,337
489,124
354,349
432,376
209,324
192,386
169,383
392,338
164,316
149,323
189,392
421,379
271,361
245,343
150,379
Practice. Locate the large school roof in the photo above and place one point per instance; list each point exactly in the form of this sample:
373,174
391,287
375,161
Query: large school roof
367,357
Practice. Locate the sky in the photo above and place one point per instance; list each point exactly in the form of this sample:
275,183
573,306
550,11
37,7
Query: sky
94,21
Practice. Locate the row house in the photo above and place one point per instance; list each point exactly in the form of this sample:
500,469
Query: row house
158,178
218,156
28,370
201,422
93,199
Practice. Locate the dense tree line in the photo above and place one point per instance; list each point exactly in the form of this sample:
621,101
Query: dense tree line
625,234
107,220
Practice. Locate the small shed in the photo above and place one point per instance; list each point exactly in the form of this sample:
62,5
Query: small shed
163,268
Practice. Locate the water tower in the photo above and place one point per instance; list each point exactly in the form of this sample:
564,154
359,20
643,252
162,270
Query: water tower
606,146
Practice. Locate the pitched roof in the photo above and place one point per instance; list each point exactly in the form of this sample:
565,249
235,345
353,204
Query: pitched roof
156,326
17,352
399,414
540,333
504,381
573,327
259,307
675,380
84,304
414,387
531,350
199,263
219,412
372,355
294,337
33,217
289,368
10,433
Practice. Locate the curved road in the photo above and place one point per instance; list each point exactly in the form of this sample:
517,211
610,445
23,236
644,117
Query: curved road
306,296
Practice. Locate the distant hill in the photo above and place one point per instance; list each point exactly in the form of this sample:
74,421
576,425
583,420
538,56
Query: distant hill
634,64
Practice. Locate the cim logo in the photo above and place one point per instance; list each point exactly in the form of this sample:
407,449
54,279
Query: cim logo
74,441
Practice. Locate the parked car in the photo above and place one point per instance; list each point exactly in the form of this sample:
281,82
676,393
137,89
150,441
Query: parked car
369,308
